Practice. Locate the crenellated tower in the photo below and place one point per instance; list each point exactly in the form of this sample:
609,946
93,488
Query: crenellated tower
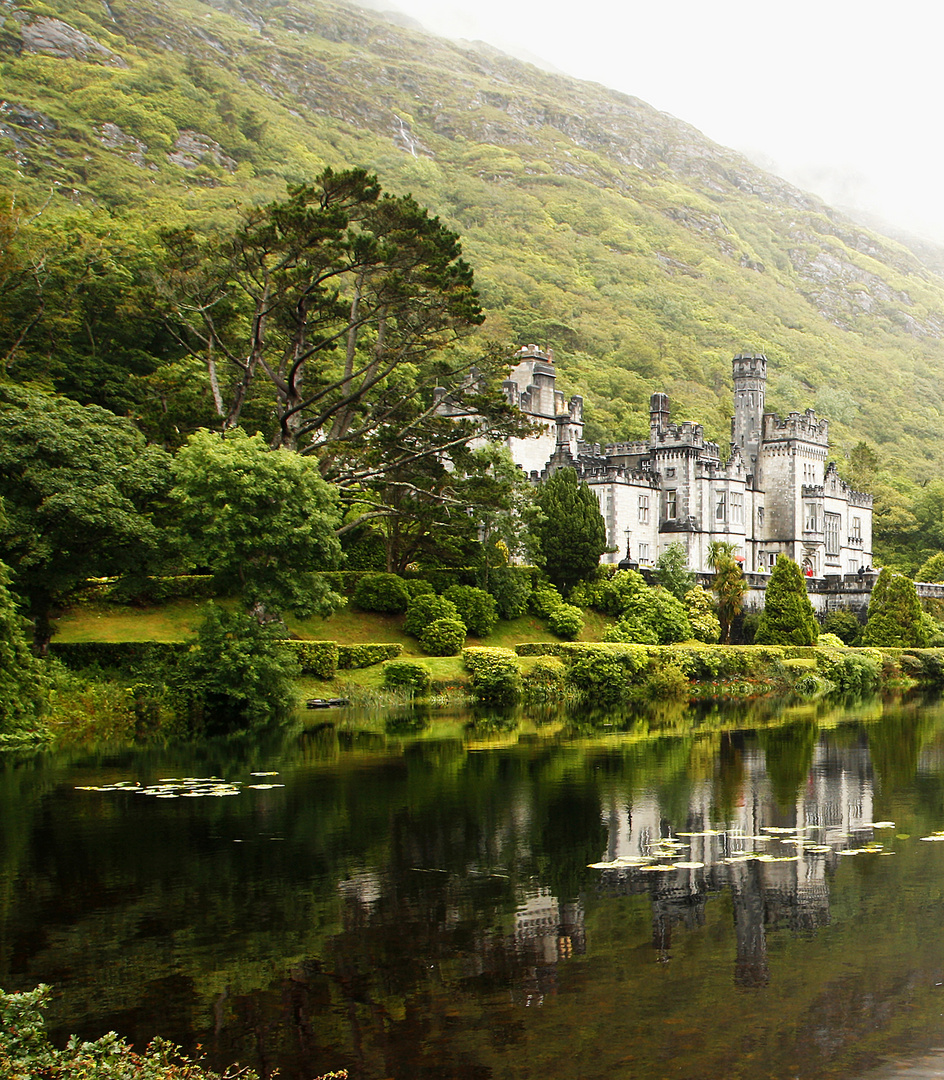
750,387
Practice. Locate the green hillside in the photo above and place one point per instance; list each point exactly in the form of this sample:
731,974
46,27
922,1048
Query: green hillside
643,254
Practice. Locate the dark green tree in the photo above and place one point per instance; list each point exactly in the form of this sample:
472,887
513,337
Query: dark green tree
787,618
895,616
570,529
79,485
238,673
673,572
262,521
23,686
341,307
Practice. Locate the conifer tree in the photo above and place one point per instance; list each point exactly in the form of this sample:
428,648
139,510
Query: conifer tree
571,531
787,618
895,616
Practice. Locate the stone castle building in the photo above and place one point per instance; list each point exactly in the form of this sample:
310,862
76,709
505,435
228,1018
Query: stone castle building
776,494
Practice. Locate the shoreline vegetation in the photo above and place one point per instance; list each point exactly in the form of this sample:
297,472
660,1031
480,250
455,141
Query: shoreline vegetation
111,663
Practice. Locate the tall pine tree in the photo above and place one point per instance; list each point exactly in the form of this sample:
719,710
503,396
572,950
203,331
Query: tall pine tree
571,530
787,618
895,616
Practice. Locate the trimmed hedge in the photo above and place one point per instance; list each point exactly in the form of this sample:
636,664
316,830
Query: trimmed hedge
118,655
318,658
361,656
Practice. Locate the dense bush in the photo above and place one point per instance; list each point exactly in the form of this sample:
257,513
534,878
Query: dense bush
318,658
701,616
566,621
419,587
124,656
600,677
895,615
844,624
853,671
477,609
496,674
426,608
545,599
406,675
653,617
385,593
361,656
548,675
238,672
511,587
443,637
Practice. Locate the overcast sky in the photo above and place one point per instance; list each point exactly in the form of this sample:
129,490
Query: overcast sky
842,97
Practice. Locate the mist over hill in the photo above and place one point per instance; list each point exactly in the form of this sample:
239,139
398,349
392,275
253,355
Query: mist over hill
645,255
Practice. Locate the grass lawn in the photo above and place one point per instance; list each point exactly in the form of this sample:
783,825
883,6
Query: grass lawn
178,619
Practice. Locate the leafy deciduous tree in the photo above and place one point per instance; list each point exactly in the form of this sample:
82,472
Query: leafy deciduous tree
262,521
78,485
672,571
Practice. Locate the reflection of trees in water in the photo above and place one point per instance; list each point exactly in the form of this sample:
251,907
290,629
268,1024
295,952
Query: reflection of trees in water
788,754
896,743
728,787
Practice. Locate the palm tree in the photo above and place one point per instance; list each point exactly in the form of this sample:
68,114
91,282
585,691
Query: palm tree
728,586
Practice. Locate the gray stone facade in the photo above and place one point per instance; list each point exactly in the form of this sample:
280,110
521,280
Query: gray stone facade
777,493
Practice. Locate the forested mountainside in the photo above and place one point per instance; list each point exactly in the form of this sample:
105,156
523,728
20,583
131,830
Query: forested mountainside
645,255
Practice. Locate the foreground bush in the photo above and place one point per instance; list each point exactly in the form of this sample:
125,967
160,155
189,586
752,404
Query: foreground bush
496,674
27,1054
406,675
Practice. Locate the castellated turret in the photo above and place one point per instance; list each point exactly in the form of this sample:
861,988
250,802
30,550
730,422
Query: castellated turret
750,386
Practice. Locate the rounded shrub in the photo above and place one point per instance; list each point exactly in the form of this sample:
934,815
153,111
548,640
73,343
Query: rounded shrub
544,600
422,610
844,624
386,593
419,587
511,587
477,609
410,675
566,621
443,637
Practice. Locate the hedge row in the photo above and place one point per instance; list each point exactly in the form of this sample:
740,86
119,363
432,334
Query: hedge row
319,658
117,655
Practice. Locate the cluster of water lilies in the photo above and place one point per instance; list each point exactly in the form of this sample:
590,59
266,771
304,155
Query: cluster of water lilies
188,787
667,853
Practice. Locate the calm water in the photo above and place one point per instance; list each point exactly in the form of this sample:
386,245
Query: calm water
416,900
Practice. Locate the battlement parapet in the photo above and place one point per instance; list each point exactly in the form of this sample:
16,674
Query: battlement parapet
687,434
796,425
627,448
749,366
812,491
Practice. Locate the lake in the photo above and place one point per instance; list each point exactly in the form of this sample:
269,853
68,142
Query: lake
721,892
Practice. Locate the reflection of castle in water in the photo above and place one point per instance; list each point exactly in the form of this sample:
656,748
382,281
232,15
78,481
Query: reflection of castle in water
775,860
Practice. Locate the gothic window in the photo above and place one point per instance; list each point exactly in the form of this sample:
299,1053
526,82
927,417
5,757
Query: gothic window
643,509
644,553
833,522
857,528
737,508
760,518
811,517
720,506
671,504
